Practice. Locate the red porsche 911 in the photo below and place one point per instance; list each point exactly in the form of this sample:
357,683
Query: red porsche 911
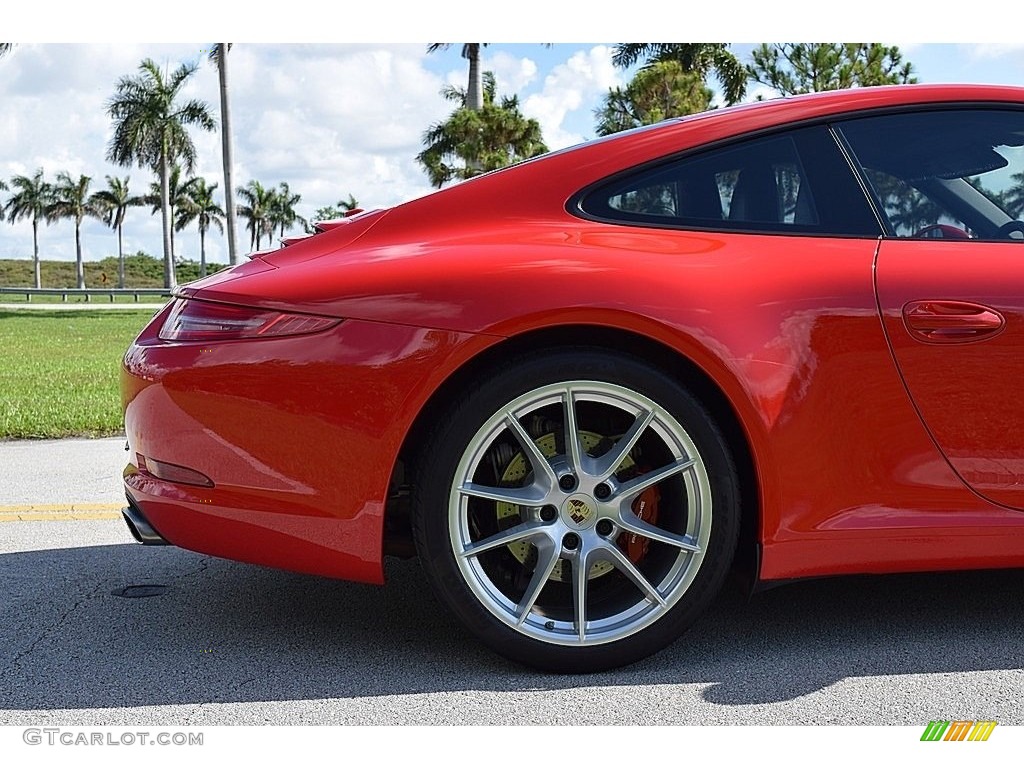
786,336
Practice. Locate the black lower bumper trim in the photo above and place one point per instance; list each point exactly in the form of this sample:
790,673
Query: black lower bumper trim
141,530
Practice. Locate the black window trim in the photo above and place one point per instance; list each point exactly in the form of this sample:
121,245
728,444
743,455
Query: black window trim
884,225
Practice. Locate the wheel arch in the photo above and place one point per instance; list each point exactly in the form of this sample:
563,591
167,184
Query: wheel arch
397,535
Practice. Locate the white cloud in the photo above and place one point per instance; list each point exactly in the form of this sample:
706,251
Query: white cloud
328,119
513,73
569,87
995,50
755,92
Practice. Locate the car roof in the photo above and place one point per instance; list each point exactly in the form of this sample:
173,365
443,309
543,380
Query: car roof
550,179
786,110
790,109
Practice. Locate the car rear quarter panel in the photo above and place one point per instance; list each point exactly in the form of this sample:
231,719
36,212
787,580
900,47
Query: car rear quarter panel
299,433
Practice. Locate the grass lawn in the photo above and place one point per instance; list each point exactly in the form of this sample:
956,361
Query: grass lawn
59,371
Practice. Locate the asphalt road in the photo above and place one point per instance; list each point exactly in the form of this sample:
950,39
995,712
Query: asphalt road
229,643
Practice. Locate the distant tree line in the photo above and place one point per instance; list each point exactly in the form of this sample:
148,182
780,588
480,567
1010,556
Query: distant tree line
151,123
267,210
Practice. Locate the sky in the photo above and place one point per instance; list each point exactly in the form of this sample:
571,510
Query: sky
329,118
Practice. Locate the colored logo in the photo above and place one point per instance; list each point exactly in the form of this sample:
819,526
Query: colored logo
579,511
958,730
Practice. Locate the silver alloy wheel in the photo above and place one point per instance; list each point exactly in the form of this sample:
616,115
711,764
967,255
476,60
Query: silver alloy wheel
581,522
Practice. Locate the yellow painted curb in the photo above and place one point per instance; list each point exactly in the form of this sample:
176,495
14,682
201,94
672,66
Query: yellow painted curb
48,512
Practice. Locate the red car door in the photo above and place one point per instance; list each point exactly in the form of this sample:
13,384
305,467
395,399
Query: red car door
948,185
954,314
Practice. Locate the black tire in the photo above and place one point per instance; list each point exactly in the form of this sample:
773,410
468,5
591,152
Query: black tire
512,574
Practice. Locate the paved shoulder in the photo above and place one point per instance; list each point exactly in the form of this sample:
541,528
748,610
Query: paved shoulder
60,474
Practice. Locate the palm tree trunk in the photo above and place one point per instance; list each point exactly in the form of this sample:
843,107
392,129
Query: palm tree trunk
165,213
475,89
120,259
35,252
226,150
202,252
79,266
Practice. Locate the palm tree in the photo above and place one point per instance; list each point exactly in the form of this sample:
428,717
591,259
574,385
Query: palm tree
282,210
71,200
700,58
30,201
258,201
177,193
151,129
475,88
200,207
1014,196
471,142
219,56
330,213
115,201
5,48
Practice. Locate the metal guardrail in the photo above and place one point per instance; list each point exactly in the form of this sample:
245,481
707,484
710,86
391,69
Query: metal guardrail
88,293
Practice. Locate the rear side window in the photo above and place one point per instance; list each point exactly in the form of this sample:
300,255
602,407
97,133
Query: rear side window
795,182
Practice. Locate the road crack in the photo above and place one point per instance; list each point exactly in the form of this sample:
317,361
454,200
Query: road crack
53,628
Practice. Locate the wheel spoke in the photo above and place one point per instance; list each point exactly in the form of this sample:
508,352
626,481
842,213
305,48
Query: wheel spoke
630,490
524,497
610,461
630,522
573,451
538,460
530,530
624,564
580,571
547,558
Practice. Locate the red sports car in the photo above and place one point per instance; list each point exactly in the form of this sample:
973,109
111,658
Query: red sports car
786,336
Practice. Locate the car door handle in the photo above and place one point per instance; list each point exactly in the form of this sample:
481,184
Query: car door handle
951,322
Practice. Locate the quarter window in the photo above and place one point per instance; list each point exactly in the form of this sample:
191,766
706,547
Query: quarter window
795,182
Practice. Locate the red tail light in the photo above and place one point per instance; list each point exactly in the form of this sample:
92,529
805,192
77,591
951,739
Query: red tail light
192,320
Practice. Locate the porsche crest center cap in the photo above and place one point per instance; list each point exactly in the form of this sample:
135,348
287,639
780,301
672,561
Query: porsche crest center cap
579,512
